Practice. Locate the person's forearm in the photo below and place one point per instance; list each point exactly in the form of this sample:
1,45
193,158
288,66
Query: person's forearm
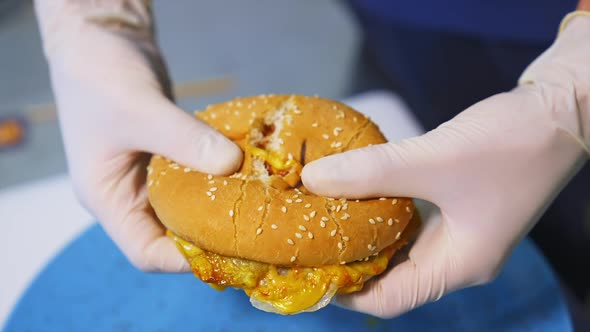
584,5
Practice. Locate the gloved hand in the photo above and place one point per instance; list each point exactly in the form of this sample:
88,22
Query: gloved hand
113,97
491,171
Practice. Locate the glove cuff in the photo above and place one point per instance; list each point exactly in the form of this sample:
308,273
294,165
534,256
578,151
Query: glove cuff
567,19
61,19
563,75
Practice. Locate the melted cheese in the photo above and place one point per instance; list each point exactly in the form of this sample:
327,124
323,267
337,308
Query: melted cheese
272,158
288,290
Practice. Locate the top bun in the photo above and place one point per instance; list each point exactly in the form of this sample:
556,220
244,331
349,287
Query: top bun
262,212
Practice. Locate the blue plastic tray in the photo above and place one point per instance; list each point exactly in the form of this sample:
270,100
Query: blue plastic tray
91,287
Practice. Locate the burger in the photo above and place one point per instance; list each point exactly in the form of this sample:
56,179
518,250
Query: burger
260,229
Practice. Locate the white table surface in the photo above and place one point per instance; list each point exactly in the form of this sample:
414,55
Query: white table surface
42,217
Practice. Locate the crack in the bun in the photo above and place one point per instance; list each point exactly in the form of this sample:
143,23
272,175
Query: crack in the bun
358,134
236,212
338,227
266,208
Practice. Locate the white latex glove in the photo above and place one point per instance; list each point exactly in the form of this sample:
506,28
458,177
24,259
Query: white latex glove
112,90
491,171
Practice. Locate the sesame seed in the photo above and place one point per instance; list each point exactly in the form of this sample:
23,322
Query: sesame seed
408,209
150,183
322,224
209,176
227,127
260,208
340,245
289,241
366,259
213,115
337,144
297,111
345,216
290,156
259,231
306,217
296,196
325,219
344,207
332,208
212,189
396,220
293,258
209,193
370,247
397,236
345,238
150,170
236,112
274,226
372,221
342,263
162,173
379,219
251,121
312,214
288,134
186,169
253,114
225,182
394,201
284,209
382,198
301,227
298,235
281,141
338,208
390,221
333,232
326,136
212,197
288,200
231,213
308,205
211,182
315,124
299,200
310,235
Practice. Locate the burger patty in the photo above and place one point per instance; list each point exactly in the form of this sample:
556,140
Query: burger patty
288,289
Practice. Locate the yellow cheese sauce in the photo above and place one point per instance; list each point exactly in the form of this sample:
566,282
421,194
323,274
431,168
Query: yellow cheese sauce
288,289
273,159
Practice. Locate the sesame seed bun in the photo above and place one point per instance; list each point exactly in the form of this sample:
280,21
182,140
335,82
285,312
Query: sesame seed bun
263,213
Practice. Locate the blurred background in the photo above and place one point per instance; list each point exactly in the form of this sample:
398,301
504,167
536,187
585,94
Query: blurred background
214,52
